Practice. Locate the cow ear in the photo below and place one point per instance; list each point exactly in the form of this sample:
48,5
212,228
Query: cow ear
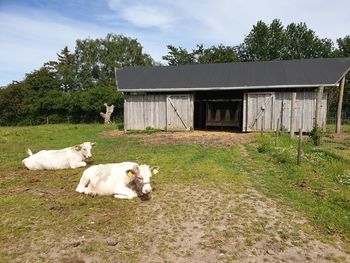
77,147
93,144
155,170
133,173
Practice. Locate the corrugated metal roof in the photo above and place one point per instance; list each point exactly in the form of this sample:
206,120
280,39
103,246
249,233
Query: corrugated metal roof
241,75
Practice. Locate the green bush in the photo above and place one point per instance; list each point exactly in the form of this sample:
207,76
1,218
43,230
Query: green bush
316,135
264,148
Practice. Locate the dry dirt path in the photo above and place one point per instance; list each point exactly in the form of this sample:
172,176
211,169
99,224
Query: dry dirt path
194,224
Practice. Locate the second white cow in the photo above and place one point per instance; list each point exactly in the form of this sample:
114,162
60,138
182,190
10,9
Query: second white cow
71,157
117,179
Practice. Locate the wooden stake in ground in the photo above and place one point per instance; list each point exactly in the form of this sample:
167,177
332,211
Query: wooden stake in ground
340,102
277,131
319,95
262,121
107,115
299,148
292,113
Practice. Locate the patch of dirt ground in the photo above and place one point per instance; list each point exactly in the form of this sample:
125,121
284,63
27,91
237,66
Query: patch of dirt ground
205,138
218,226
191,224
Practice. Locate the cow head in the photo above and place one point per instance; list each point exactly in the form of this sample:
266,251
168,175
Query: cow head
142,177
85,149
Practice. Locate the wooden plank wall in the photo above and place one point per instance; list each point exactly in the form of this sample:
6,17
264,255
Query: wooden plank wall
304,110
142,111
184,106
260,111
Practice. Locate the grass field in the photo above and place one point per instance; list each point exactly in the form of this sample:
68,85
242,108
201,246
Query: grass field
245,203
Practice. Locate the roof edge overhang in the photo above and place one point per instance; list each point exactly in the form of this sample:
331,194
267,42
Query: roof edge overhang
343,75
230,88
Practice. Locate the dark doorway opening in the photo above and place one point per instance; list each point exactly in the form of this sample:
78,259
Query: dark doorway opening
218,110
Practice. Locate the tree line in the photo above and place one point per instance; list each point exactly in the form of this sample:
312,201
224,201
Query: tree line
74,87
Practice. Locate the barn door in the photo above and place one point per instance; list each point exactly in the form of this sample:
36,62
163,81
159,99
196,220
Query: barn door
260,111
179,112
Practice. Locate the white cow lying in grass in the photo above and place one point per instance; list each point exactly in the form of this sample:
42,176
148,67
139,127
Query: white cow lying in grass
71,157
122,180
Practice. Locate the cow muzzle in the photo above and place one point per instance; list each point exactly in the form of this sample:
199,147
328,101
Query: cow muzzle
146,189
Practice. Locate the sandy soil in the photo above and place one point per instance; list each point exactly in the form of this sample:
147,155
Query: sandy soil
205,138
190,224
224,227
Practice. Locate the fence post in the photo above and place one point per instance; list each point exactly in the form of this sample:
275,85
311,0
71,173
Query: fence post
299,147
277,131
340,104
47,120
292,113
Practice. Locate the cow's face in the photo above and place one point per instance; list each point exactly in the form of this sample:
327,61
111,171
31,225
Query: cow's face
144,177
85,149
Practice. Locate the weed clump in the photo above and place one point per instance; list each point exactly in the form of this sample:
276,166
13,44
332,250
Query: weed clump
316,135
148,130
264,148
344,178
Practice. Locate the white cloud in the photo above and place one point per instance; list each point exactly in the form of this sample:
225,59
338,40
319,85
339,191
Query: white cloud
228,21
26,43
28,40
146,16
28,37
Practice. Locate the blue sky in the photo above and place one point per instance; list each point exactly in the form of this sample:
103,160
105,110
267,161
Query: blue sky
33,31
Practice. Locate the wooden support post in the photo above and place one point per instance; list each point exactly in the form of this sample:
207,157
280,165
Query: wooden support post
324,128
319,95
340,103
277,131
282,110
262,122
299,147
292,114
47,120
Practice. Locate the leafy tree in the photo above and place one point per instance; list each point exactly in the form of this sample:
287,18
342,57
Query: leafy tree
270,42
277,40
42,80
86,105
65,69
219,54
13,103
179,56
303,43
200,55
343,50
75,86
343,47
256,44
97,58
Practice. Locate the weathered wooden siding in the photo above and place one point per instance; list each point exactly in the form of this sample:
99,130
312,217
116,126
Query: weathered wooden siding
277,105
155,111
260,109
142,111
180,112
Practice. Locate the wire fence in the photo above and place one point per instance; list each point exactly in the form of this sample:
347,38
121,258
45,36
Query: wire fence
332,117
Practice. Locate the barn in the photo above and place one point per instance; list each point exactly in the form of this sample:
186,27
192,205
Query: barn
243,96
